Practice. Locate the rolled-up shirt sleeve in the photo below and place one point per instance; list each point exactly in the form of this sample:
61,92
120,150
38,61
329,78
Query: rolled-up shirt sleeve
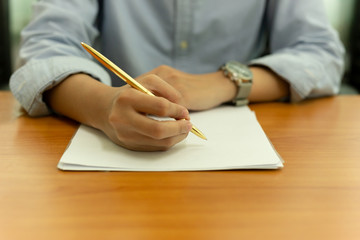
51,51
30,82
304,49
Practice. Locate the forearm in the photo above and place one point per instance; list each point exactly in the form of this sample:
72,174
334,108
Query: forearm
267,86
81,98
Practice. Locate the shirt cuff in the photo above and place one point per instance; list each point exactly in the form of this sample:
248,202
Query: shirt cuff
304,79
30,81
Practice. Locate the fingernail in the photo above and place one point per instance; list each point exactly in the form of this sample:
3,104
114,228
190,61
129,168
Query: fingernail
189,126
186,114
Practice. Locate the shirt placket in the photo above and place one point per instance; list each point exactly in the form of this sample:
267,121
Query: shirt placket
183,30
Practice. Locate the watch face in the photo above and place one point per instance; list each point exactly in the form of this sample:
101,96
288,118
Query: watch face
239,70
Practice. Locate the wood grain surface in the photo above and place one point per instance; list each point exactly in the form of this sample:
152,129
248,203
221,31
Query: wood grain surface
315,196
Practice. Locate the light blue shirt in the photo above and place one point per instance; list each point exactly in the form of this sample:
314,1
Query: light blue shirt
292,38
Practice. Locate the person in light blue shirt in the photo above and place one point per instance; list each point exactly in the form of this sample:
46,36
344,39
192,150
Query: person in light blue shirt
175,48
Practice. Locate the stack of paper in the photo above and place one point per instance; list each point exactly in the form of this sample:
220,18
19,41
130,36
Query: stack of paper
235,141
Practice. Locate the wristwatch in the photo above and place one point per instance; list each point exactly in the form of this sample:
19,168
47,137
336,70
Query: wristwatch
242,76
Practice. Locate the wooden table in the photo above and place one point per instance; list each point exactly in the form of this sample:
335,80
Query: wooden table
315,196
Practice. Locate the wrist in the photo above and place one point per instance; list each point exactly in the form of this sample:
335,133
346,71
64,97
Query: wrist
81,98
98,111
225,89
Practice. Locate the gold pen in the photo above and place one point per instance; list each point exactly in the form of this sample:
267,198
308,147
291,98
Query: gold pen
129,80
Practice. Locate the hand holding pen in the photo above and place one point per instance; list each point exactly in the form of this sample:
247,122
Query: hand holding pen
132,82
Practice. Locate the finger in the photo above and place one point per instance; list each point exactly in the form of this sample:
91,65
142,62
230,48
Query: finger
144,137
161,88
159,106
158,130
136,140
149,144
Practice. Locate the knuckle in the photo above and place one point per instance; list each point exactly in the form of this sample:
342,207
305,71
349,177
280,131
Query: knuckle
150,78
157,131
113,119
177,97
172,77
147,79
168,143
124,97
163,68
161,107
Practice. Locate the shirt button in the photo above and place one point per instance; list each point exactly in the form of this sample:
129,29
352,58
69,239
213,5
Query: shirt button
184,45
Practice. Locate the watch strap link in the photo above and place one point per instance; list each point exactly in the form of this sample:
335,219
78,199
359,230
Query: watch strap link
242,94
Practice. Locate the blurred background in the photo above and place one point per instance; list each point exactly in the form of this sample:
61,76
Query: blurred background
344,15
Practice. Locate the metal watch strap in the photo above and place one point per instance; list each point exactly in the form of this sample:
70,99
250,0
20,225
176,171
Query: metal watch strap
242,94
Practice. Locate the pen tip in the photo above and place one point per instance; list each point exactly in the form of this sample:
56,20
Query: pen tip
198,133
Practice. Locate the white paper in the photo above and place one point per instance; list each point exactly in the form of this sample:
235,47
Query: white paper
235,141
